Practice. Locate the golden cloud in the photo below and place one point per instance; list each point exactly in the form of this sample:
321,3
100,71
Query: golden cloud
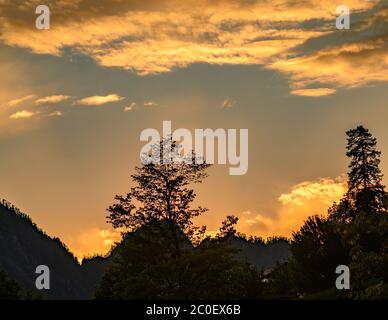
158,36
52,99
55,114
99,100
326,190
303,200
18,101
318,92
349,65
23,114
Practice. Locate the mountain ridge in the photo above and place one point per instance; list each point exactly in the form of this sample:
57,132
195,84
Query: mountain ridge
24,246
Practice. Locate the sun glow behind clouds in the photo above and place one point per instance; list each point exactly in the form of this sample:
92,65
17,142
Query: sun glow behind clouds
326,190
303,200
92,241
295,39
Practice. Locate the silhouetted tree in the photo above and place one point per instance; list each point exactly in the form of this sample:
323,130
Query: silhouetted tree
365,190
162,193
367,238
317,249
280,281
143,268
355,233
228,227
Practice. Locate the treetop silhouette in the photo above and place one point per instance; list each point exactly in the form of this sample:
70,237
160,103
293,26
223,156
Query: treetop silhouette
365,159
161,193
365,189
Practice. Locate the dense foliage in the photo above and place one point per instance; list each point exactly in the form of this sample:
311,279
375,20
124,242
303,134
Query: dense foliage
355,233
146,268
9,289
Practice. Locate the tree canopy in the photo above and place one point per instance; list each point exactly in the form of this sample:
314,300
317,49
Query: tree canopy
162,192
354,233
152,264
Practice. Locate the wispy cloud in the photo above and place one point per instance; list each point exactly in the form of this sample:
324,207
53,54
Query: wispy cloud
150,104
227,103
318,92
52,99
55,114
18,101
270,33
130,107
23,114
99,100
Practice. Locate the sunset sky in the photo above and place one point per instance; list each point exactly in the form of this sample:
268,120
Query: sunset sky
74,99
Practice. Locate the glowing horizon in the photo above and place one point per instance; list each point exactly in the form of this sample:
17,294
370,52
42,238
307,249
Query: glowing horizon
75,98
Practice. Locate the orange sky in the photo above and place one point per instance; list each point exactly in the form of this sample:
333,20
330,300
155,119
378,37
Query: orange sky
74,99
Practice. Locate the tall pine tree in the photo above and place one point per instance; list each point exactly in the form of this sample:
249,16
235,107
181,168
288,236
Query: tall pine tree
365,190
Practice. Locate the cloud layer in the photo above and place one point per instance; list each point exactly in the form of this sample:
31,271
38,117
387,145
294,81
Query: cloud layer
298,39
